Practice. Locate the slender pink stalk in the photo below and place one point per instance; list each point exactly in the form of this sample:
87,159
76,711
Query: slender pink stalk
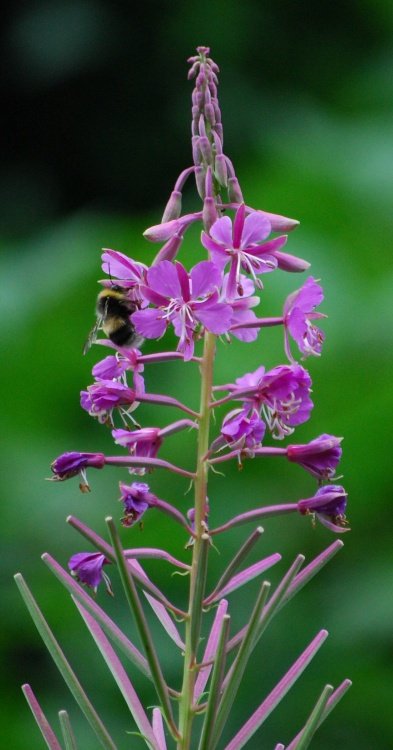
43,723
277,694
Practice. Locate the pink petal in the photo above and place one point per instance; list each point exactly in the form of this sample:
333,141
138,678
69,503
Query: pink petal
184,281
120,266
309,296
244,334
268,247
163,279
205,277
238,225
217,252
221,231
149,323
256,228
216,318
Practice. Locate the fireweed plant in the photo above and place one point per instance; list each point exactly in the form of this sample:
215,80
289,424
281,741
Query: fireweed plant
205,305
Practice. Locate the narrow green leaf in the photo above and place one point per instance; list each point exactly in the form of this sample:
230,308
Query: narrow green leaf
273,604
66,730
231,569
63,666
331,704
313,720
239,665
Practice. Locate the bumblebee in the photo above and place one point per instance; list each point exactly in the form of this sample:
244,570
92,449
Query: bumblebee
113,310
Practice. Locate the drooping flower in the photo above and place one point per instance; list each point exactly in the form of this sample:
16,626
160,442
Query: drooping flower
243,428
186,300
243,244
191,518
87,567
116,365
102,397
136,499
72,464
241,308
299,312
328,505
141,443
320,457
281,394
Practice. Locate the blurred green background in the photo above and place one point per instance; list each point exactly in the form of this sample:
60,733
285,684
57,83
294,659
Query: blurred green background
96,121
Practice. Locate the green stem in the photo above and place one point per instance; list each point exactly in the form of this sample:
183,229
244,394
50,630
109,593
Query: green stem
199,550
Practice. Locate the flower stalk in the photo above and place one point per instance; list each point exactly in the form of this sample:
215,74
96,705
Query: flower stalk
200,548
206,306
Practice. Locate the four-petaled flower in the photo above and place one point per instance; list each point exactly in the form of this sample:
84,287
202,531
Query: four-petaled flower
185,300
242,243
328,505
299,312
87,567
136,498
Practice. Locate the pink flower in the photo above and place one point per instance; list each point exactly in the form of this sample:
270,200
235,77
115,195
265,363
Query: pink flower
241,308
115,366
136,498
243,245
141,443
328,505
102,397
243,428
185,300
129,273
282,394
87,567
299,311
320,457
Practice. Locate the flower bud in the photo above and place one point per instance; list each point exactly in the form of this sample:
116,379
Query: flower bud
173,207
234,192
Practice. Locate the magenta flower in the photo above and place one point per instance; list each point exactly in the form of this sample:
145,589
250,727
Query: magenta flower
71,464
136,499
116,365
299,311
123,270
86,567
141,443
241,308
243,428
329,505
185,300
283,395
243,245
102,397
320,457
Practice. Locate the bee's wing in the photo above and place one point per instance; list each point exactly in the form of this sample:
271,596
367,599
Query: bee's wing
92,335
